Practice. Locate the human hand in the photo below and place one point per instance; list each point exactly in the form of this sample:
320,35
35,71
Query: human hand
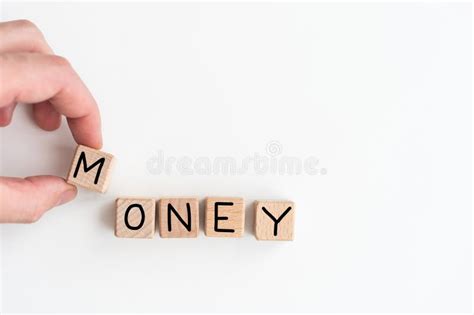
31,74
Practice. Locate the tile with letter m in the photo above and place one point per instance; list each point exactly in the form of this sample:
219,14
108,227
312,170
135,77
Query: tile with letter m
91,169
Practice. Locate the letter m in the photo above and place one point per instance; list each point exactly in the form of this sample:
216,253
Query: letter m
82,160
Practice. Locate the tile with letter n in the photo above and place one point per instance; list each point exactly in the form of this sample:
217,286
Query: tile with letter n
91,169
274,220
135,218
178,217
224,217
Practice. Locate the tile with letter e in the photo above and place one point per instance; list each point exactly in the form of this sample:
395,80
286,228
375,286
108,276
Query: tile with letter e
90,169
224,217
274,220
178,217
135,218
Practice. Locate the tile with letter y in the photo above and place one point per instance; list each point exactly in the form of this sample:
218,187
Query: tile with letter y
274,220
91,169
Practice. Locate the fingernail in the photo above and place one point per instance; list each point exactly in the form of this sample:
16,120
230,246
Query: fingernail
67,196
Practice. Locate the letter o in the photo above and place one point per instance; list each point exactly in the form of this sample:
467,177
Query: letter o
142,212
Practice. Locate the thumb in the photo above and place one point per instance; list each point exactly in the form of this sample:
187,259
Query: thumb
25,200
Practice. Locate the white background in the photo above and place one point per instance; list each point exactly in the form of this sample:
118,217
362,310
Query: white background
379,93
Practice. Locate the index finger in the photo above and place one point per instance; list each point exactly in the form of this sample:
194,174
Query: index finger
34,78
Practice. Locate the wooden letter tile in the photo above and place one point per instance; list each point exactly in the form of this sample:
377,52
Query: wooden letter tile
225,217
90,169
178,217
135,218
274,220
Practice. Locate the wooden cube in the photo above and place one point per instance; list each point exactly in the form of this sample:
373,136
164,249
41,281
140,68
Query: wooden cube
90,169
178,217
225,217
274,220
135,218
